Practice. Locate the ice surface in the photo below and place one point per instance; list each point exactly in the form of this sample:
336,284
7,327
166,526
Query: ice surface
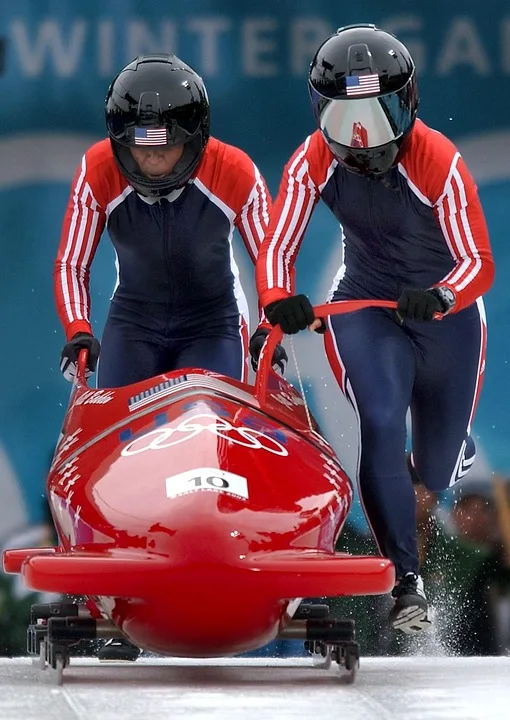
415,688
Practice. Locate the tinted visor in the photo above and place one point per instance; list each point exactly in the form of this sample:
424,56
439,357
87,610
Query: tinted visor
368,122
170,121
173,127
158,186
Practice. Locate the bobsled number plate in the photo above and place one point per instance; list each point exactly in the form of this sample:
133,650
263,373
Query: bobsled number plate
210,479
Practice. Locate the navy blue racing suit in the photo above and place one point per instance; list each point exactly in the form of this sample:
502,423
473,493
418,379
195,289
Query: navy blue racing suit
178,301
419,225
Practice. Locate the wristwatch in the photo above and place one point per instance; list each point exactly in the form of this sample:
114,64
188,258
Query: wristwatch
446,297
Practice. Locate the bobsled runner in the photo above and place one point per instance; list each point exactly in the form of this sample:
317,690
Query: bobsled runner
194,513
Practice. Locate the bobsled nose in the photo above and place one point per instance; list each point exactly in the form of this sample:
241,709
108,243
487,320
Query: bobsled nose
202,545
199,538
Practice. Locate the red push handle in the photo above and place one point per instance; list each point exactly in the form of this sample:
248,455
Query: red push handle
274,337
321,311
80,378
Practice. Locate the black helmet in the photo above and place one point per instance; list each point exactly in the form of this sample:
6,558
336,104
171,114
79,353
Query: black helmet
157,100
364,94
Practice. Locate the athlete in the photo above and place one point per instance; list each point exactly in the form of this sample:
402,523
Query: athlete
170,197
413,231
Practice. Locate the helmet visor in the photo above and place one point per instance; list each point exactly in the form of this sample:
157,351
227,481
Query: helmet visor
161,185
367,122
167,135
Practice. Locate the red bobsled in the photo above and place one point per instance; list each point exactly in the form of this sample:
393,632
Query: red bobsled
195,511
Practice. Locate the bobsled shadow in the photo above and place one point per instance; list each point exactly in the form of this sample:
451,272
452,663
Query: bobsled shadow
287,675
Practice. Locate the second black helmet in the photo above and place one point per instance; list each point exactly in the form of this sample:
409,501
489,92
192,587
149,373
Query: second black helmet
157,100
364,94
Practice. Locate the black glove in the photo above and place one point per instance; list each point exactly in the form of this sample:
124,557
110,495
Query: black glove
71,350
419,305
292,314
257,341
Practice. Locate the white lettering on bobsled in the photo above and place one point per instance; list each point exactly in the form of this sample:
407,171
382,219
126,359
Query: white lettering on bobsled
68,475
288,399
65,443
169,437
94,397
210,479
77,516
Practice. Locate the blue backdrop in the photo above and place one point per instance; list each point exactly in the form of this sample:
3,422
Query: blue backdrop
55,65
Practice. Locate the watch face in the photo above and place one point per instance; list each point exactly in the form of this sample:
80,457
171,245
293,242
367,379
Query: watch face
448,296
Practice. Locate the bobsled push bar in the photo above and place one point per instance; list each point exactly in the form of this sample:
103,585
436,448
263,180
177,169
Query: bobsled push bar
122,573
275,336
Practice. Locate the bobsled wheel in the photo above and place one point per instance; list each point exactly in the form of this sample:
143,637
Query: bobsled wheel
347,657
351,671
58,659
40,660
60,664
321,655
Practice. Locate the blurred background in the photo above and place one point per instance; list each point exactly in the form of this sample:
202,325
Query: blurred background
57,59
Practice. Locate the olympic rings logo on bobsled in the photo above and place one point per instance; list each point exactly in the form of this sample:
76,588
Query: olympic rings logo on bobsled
165,437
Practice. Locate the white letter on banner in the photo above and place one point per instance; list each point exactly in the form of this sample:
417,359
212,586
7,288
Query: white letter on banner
255,45
401,24
49,41
463,47
105,46
141,40
306,34
209,30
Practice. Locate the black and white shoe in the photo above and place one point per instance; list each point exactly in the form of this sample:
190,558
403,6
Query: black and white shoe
411,612
118,650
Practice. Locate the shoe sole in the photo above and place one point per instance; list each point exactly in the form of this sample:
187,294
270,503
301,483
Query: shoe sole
412,620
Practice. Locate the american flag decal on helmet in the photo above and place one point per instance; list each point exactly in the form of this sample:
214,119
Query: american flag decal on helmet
150,136
362,84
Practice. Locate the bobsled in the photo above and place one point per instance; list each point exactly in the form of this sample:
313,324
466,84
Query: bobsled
194,514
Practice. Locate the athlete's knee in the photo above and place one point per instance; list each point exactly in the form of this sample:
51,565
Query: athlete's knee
441,471
465,460
381,423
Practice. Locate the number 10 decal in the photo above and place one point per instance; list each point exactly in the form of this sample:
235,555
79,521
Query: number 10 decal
210,479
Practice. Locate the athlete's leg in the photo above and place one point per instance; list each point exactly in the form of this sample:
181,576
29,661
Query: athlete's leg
224,353
373,361
449,376
129,354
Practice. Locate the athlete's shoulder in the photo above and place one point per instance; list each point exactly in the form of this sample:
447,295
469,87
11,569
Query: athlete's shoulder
229,174
432,144
317,146
225,158
314,149
99,155
101,172
314,157
429,160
